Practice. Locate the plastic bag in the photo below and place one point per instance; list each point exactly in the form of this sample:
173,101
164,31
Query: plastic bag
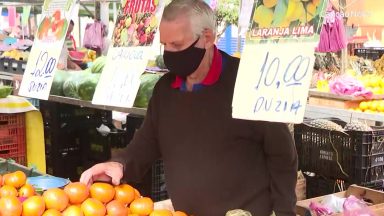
94,35
355,207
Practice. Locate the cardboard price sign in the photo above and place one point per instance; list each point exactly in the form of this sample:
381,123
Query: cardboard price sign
132,40
273,86
45,53
276,66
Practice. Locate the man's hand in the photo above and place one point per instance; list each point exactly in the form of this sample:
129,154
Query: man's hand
108,171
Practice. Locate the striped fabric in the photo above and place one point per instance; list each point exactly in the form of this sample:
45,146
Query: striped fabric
15,104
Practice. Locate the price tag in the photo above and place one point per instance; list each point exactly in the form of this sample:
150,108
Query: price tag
132,40
276,66
273,85
49,39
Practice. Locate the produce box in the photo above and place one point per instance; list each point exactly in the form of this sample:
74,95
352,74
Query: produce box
7,166
373,197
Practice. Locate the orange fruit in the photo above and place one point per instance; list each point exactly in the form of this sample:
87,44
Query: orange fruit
16,179
77,192
161,212
142,206
116,208
73,210
1,180
33,206
125,193
93,207
179,213
10,206
101,191
52,212
26,190
7,190
55,198
137,194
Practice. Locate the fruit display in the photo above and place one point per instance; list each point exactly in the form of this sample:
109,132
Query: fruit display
16,55
369,106
18,198
286,13
52,28
136,29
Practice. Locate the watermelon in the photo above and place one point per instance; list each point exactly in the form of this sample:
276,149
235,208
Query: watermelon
5,91
98,64
71,85
58,81
160,62
147,83
87,86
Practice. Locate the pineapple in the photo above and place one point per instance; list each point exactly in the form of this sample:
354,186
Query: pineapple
357,126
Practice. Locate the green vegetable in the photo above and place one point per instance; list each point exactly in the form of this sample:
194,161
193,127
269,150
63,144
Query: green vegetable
148,82
160,62
71,85
87,87
5,91
98,64
58,81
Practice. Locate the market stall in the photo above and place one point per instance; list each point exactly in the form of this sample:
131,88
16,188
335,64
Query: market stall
75,106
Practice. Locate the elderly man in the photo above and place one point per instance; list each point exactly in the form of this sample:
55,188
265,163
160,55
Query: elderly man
213,163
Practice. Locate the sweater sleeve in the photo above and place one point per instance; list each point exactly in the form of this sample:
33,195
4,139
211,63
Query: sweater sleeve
139,155
282,165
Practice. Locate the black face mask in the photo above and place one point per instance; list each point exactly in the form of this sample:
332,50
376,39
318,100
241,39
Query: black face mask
184,62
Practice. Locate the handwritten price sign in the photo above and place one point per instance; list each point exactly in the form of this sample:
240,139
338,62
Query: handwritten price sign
120,79
272,85
38,75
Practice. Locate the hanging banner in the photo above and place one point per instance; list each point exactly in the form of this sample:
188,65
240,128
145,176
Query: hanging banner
277,62
286,19
46,49
132,40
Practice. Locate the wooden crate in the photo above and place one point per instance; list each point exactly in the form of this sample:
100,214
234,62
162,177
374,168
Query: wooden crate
337,101
375,197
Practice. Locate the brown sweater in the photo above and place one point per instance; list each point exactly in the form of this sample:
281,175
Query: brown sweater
212,162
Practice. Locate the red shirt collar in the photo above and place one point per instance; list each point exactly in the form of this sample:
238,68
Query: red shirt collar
213,73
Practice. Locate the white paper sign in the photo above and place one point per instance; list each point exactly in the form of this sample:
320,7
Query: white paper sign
120,79
132,40
48,43
273,82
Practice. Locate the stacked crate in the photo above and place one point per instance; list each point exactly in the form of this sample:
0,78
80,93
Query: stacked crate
12,137
66,136
340,158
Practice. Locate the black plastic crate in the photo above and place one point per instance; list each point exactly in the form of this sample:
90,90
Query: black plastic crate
96,147
65,164
369,156
319,185
354,156
12,66
56,114
324,152
159,188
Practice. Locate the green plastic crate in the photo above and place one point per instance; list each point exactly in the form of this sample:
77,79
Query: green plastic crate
8,166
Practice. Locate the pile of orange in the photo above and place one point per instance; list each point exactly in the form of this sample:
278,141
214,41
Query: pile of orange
17,198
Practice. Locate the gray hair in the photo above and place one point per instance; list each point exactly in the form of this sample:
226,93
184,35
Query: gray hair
200,14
